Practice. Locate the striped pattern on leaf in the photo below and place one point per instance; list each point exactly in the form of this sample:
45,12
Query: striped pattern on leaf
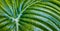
29,15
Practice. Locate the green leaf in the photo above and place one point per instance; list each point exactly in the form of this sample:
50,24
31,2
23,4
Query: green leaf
29,15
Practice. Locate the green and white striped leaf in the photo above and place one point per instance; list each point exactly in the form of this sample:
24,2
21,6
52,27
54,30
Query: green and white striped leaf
29,15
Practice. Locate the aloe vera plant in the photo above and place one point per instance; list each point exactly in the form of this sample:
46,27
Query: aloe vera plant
29,15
